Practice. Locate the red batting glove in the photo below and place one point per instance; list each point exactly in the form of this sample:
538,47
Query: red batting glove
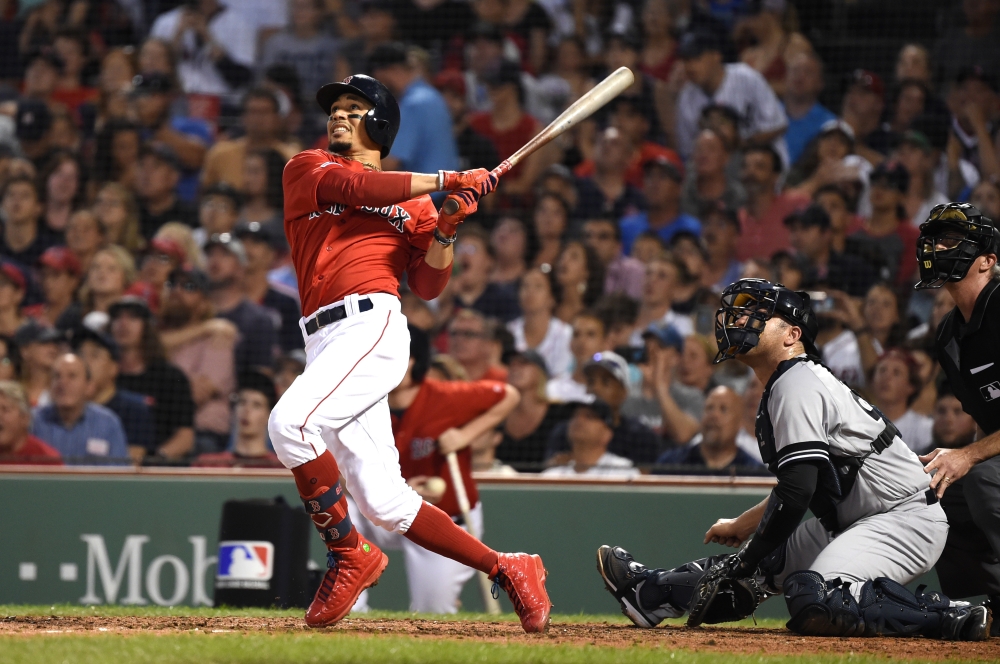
478,179
467,202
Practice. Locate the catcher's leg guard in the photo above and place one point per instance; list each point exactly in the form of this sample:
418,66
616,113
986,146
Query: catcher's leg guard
890,609
674,588
819,608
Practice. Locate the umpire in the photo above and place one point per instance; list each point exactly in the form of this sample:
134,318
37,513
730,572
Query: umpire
958,250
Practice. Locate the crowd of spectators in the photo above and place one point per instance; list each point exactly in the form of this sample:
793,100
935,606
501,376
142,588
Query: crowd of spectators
148,307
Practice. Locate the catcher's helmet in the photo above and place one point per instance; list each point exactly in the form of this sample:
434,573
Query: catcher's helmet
756,301
954,235
382,121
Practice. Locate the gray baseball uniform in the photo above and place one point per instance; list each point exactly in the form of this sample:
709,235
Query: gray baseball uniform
876,520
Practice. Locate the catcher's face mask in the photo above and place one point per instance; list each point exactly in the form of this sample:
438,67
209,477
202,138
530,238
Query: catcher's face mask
953,236
747,305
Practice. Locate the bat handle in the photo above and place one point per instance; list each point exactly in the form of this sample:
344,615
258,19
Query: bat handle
450,206
503,168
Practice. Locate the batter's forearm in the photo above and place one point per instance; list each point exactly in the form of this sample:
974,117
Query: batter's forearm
428,276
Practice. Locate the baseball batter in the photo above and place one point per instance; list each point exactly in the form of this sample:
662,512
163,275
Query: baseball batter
353,230
431,418
876,524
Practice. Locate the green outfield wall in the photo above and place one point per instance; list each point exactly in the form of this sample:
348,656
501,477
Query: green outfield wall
151,539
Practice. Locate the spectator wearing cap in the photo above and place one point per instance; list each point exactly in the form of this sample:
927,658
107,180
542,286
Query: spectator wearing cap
25,236
606,192
803,84
607,376
226,265
968,43
861,108
589,337
60,278
254,399
526,430
143,369
264,127
201,346
974,120
822,265
663,215
537,328
424,143
17,445
710,80
716,447
157,174
263,244
162,257
214,44
623,274
101,356
13,286
720,230
887,238
762,229
33,124
303,44
38,347
263,196
152,106
634,125
707,181
509,127
474,149
896,383
920,160
472,286
590,433
218,210
80,430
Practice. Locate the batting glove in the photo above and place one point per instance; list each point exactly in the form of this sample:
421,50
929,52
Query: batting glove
465,202
478,179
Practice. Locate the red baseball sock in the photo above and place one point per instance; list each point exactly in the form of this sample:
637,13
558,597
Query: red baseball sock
435,531
318,482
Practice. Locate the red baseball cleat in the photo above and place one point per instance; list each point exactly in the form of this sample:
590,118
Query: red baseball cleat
350,571
523,577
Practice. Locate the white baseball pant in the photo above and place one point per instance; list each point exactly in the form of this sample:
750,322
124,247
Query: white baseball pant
339,403
435,582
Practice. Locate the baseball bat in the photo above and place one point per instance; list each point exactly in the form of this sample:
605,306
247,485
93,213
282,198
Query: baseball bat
612,86
485,585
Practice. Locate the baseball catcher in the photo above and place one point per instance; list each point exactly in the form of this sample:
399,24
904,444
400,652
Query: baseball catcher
876,524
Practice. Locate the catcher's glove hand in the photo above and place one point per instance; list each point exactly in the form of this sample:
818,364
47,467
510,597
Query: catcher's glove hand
726,592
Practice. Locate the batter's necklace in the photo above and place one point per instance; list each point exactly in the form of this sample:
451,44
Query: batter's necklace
366,164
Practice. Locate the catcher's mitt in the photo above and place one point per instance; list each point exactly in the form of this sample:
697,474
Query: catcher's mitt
726,592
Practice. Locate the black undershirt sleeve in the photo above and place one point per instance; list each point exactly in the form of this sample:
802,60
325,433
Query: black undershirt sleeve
788,503
235,74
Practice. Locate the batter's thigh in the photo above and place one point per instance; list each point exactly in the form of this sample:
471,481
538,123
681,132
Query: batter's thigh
352,365
901,544
435,581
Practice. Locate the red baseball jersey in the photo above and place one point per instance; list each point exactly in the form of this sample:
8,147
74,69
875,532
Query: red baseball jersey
439,406
351,230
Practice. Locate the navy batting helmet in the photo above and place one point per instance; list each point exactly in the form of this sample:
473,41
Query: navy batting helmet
954,235
748,304
382,121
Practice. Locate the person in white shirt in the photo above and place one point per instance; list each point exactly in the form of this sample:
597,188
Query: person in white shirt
663,279
589,431
896,383
537,328
589,337
709,80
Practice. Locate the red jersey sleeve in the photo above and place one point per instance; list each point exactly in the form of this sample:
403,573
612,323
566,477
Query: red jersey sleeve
426,281
314,178
468,400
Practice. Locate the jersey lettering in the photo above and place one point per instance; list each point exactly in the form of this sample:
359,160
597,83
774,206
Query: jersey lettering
394,214
421,448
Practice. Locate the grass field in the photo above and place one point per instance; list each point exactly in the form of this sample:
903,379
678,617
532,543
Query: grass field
120,635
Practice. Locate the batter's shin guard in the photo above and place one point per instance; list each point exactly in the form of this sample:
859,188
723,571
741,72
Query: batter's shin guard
318,482
676,586
892,610
818,608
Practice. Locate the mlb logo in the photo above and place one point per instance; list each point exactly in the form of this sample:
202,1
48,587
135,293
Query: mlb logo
991,391
245,564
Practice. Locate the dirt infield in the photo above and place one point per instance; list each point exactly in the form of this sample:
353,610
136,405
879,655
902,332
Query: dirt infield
705,639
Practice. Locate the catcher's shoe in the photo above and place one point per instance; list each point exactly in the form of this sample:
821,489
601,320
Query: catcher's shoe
966,623
523,577
624,578
350,571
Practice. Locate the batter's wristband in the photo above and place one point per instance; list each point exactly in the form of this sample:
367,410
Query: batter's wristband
440,181
446,240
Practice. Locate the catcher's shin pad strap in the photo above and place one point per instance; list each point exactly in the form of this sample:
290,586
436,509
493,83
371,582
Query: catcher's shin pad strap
718,598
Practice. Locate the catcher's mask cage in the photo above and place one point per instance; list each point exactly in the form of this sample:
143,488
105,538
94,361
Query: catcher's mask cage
954,235
748,304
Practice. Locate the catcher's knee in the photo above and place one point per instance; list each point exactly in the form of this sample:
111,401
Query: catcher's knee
818,608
